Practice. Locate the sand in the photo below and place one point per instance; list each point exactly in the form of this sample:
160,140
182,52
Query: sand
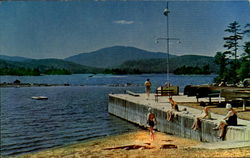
102,148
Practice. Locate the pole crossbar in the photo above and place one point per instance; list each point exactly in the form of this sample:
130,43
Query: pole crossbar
166,12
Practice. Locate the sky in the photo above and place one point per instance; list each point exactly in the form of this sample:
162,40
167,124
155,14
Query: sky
59,29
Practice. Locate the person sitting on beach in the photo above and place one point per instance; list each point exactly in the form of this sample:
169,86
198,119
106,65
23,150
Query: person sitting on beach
147,85
204,115
151,121
229,120
174,107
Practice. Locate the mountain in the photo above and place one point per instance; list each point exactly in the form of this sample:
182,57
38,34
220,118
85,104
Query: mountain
14,58
114,56
160,65
129,59
44,64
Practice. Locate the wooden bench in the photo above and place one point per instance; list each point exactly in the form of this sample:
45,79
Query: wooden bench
213,94
163,92
204,92
132,93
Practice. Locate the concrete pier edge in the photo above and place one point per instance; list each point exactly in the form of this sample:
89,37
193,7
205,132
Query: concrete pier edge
135,110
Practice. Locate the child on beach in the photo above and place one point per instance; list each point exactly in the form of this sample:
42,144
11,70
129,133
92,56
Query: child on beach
151,121
147,87
204,115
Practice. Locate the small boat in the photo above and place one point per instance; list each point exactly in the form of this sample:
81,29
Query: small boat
39,98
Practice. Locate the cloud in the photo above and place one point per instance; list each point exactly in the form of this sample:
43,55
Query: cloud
123,22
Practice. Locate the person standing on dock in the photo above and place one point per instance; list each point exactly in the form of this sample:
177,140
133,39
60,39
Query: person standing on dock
147,87
151,121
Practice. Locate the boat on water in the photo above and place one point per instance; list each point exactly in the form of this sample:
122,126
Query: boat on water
40,97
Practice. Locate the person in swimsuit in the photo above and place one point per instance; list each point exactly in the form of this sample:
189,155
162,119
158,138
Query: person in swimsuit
174,107
204,115
229,120
147,85
151,121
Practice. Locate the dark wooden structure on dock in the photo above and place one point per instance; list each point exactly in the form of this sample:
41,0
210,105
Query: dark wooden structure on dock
208,91
236,94
166,91
202,91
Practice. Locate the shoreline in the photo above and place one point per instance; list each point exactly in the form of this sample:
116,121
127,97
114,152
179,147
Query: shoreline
137,144
19,85
6,85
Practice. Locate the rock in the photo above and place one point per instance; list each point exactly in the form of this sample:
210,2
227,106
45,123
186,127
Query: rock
130,147
17,82
168,146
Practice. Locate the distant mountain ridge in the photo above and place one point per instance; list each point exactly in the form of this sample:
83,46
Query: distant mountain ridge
126,58
114,56
44,64
14,58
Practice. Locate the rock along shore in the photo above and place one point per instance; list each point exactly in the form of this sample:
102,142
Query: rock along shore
2,85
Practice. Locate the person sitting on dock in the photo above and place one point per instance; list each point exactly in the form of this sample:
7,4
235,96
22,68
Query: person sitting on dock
174,107
147,87
151,121
222,84
229,120
204,115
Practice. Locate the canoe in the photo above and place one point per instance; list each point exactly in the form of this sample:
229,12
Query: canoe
39,98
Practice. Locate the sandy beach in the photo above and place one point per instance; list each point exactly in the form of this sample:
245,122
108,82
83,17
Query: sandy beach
137,145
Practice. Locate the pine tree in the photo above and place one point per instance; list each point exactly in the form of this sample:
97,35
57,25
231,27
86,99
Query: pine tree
232,45
232,41
220,59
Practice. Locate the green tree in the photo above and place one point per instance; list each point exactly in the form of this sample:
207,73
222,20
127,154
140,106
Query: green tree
232,45
35,72
221,60
244,71
246,54
206,69
232,41
247,29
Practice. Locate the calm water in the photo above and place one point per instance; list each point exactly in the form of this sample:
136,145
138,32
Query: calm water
71,114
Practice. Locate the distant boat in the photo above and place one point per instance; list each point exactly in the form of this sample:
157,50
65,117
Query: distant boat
39,98
92,75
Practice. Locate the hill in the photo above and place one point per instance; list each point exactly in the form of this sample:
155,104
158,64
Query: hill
160,65
43,64
114,56
119,59
14,58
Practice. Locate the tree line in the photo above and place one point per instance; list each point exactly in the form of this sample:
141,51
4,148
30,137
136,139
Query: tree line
234,62
33,72
188,70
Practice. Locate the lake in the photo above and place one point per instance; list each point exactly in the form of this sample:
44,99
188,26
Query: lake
74,113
